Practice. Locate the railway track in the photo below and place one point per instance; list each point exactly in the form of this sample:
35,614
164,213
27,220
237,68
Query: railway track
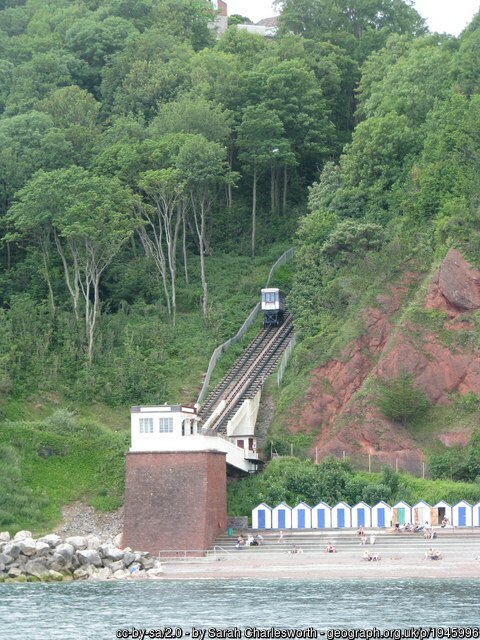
246,376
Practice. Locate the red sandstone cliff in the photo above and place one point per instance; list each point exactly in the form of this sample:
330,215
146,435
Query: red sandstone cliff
444,361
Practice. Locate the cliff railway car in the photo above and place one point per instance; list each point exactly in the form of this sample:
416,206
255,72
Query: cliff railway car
273,307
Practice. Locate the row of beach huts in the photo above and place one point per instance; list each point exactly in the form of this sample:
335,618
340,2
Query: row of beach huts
342,515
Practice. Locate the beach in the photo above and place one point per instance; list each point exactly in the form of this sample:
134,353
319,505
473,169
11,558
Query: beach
331,566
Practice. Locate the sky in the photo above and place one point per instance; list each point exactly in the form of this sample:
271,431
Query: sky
450,16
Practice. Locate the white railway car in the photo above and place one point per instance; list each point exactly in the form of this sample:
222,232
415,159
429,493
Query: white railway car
273,307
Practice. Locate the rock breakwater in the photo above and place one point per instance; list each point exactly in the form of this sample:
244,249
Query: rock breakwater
54,559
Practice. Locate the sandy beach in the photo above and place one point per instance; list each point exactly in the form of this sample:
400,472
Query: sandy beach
323,566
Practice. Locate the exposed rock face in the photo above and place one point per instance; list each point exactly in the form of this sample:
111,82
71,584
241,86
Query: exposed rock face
351,423
455,287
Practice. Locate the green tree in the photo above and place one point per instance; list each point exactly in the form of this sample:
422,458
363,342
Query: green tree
89,217
260,139
400,400
160,223
202,166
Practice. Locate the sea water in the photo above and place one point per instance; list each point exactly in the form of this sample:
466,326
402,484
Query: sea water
182,609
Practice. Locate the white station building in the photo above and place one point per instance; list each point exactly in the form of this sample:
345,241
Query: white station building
178,428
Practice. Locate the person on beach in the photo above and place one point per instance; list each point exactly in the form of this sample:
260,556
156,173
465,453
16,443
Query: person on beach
360,531
372,539
363,539
240,542
366,555
281,538
259,539
329,548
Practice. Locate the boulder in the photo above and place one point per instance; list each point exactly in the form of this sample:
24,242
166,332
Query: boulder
93,542
4,536
116,566
27,546
78,542
14,572
128,558
103,573
12,549
65,550
81,574
36,568
55,576
21,535
147,562
88,557
6,559
111,553
42,548
121,574
51,539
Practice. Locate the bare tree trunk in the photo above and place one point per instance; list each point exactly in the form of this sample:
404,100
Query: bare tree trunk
200,228
74,288
184,243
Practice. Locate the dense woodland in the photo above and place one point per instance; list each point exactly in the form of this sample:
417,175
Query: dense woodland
151,173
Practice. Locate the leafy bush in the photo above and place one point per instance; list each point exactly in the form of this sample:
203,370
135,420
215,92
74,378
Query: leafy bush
400,401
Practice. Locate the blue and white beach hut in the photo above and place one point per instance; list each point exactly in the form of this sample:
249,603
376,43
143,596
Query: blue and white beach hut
440,511
402,514
302,516
381,515
262,517
462,514
341,516
421,513
476,515
282,516
321,516
361,515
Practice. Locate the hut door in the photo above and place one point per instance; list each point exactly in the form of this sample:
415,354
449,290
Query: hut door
261,519
401,515
281,519
381,517
340,517
361,517
301,518
321,518
462,516
434,513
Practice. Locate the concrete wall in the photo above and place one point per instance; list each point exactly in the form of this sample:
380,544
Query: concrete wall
174,500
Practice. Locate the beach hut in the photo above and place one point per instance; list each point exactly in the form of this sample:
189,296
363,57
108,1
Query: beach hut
321,516
462,514
402,514
341,516
476,515
421,513
302,516
381,515
282,516
361,515
262,517
440,511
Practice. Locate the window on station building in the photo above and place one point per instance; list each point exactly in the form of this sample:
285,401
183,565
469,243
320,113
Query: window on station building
166,425
146,425
270,296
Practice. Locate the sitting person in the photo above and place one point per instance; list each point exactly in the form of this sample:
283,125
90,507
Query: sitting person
366,555
250,540
360,531
240,542
329,548
259,539
375,557
295,549
445,522
363,539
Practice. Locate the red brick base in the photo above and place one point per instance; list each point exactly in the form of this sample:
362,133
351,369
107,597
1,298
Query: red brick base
174,500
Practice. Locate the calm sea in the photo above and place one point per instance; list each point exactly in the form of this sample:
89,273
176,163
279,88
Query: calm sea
104,611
